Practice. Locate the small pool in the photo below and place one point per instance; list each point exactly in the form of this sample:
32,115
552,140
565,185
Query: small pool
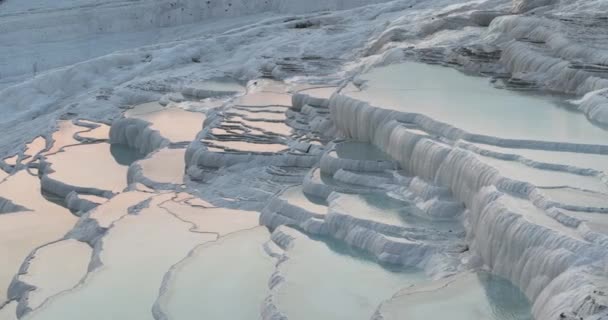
384,209
360,151
96,165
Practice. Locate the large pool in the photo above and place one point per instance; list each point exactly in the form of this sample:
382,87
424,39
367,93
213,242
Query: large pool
472,104
469,296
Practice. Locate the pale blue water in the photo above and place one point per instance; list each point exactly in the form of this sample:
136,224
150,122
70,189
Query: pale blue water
480,296
505,300
327,281
472,104
227,279
384,209
360,151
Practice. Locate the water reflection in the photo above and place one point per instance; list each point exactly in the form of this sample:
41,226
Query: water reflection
124,155
506,301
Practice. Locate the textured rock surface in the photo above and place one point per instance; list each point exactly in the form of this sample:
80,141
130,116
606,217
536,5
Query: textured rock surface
135,175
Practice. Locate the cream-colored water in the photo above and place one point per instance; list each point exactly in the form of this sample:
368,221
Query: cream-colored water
165,166
217,220
173,123
89,165
55,268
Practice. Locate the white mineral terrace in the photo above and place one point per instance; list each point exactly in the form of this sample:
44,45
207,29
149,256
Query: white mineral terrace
296,160
374,214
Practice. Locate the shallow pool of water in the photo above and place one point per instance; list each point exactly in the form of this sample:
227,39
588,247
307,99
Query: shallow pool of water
137,252
576,197
325,280
222,221
265,99
175,124
360,151
384,209
226,279
22,232
98,165
220,85
469,296
582,160
470,103
64,136
544,178
102,132
165,166
55,268
245,146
